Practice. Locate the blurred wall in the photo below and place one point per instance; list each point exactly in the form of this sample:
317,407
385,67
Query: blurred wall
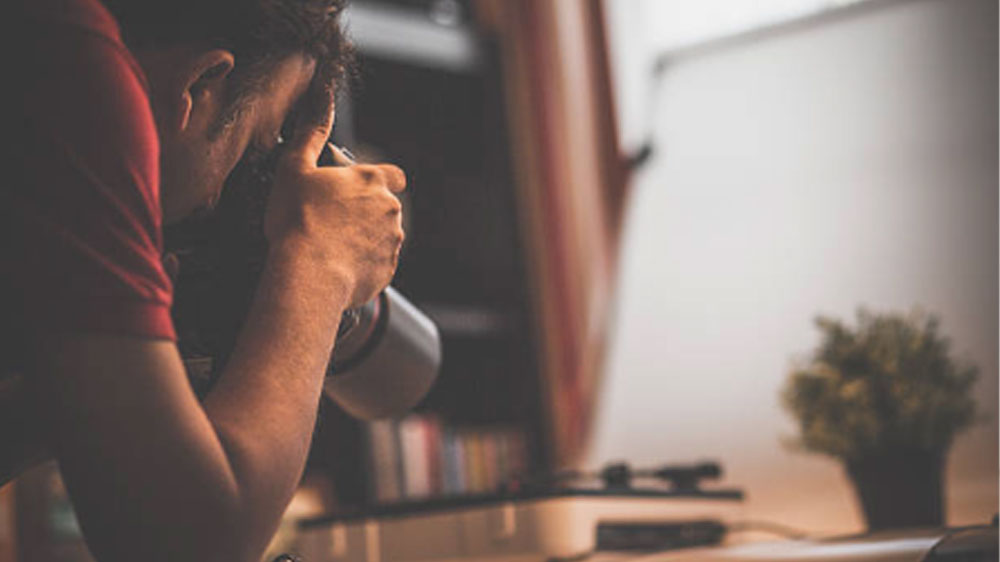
851,161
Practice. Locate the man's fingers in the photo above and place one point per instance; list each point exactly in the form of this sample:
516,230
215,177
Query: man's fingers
392,176
395,178
311,135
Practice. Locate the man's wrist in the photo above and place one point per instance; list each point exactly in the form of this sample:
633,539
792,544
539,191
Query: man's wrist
312,264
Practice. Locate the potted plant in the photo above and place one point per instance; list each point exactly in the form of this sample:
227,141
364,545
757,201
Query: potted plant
886,398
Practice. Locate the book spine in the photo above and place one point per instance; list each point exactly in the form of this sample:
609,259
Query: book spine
491,477
414,449
503,456
432,444
383,460
457,457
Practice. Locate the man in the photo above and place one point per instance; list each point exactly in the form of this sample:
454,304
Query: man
112,141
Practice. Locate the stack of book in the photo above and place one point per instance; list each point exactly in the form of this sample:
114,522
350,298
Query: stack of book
419,457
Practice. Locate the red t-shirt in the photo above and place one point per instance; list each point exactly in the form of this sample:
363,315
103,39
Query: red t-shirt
81,212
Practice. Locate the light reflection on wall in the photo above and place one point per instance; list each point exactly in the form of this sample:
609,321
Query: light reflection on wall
672,24
852,162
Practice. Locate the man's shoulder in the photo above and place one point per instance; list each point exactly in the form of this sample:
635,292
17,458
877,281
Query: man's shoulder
84,15
57,33
82,88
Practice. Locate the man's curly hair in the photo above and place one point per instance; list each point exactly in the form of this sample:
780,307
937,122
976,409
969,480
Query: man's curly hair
259,33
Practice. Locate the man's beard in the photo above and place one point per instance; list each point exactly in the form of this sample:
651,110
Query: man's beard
246,186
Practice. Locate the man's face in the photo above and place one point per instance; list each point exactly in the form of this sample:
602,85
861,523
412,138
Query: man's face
194,166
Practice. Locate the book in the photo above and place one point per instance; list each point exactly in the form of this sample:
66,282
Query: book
384,460
432,444
416,469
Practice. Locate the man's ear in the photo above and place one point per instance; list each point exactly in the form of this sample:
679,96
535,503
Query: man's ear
201,89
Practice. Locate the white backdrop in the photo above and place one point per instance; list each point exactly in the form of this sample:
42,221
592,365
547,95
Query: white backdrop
849,162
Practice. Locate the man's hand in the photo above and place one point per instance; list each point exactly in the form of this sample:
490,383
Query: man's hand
346,217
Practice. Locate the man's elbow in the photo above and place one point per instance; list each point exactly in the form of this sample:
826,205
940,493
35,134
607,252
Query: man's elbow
209,529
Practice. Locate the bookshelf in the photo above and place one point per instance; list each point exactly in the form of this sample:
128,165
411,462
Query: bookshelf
434,104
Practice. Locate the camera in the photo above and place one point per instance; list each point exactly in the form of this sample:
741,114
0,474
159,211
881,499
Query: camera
387,354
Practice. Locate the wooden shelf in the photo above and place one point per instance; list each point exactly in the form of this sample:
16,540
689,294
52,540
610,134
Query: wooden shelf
411,35
470,321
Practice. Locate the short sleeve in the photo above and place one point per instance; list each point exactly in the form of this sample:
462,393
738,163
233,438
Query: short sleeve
82,213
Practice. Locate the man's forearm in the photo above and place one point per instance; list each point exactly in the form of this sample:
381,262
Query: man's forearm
264,405
156,476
